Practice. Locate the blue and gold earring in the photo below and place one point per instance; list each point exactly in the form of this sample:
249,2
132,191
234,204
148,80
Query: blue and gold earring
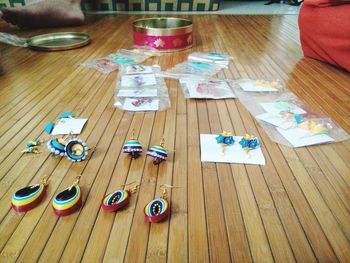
159,208
225,139
57,146
76,150
118,199
249,142
69,200
29,197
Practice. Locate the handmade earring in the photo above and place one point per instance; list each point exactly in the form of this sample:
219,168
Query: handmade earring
133,146
313,127
76,150
158,209
225,139
69,200
118,199
249,142
158,152
32,147
136,69
289,116
29,197
57,146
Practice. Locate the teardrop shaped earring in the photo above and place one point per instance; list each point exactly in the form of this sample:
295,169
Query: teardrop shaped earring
29,197
118,199
158,152
133,146
158,209
69,200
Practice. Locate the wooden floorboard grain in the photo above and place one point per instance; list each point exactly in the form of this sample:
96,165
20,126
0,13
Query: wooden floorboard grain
293,209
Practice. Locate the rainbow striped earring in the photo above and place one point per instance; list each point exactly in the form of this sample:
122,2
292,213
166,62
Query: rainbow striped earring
159,208
158,152
133,146
69,200
29,197
118,199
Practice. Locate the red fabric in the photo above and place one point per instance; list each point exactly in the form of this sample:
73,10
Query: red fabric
325,3
325,33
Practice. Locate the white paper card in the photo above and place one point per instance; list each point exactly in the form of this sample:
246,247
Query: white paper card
137,93
69,126
207,89
138,69
152,105
276,120
251,86
211,151
129,81
275,107
299,137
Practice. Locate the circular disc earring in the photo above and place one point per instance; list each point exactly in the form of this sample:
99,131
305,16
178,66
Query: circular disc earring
133,147
158,152
57,146
117,199
69,200
29,197
76,150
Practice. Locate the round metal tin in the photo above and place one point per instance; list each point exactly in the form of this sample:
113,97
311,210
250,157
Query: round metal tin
166,34
58,41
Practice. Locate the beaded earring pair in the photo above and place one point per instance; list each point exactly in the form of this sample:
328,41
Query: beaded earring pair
134,148
155,211
64,203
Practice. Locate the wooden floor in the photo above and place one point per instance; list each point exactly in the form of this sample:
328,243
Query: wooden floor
294,209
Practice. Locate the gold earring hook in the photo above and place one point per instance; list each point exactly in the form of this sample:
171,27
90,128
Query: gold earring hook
132,134
134,189
93,148
162,141
131,190
75,183
164,189
43,181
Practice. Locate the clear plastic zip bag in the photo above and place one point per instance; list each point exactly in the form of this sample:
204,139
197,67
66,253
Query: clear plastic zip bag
199,88
141,91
